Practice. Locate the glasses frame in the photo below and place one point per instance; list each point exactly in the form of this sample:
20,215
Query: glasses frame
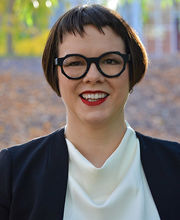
90,60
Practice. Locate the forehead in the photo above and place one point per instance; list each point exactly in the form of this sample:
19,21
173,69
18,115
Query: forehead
92,41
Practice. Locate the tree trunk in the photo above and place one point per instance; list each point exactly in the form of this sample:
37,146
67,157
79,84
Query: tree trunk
9,37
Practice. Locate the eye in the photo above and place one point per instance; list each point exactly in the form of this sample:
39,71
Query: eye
110,61
74,61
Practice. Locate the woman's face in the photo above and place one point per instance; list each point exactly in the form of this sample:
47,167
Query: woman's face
84,98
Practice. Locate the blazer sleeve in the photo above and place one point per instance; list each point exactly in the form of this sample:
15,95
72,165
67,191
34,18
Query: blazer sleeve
5,184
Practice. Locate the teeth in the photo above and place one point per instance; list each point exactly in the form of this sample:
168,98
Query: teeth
94,96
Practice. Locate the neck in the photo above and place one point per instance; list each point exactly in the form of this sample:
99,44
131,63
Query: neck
96,142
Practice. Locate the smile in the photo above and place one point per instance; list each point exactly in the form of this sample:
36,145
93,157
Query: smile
93,98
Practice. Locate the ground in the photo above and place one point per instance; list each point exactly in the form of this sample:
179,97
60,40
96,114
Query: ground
28,107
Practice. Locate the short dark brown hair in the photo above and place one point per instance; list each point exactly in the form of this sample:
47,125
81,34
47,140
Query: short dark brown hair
74,20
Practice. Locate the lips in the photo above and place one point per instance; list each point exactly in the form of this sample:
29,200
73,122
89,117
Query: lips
93,98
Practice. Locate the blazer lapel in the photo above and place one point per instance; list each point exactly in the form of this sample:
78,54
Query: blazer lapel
160,175
54,184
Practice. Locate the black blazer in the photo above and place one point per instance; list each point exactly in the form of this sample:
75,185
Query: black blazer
33,177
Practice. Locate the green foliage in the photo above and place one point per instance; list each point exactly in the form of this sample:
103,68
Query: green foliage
145,9
30,16
20,19
2,43
26,45
145,5
31,46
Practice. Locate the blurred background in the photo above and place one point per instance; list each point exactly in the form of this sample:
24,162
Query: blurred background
28,107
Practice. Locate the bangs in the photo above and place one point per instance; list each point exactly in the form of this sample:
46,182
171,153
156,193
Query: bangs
74,20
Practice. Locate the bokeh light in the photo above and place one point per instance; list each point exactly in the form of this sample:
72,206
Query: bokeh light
35,4
48,3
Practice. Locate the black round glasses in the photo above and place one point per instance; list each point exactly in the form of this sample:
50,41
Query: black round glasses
109,64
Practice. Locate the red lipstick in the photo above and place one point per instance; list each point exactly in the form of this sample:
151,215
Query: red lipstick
90,102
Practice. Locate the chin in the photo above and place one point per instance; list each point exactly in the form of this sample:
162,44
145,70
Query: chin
96,119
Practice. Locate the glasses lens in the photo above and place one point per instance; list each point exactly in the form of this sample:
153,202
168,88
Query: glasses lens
111,64
74,66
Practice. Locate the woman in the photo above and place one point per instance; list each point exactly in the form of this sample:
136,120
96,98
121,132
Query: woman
97,167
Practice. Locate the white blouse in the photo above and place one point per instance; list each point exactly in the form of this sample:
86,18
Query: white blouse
116,191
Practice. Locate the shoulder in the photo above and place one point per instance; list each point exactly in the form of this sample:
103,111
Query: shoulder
161,164
159,151
31,165
152,142
40,143
34,152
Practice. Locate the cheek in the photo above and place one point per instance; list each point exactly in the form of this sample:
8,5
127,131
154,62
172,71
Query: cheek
123,81
64,91
67,87
62,83
63,86
128,78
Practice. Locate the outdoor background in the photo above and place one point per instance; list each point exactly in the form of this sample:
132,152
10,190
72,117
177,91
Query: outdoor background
28,107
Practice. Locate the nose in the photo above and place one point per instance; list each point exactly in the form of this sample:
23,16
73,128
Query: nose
93,76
